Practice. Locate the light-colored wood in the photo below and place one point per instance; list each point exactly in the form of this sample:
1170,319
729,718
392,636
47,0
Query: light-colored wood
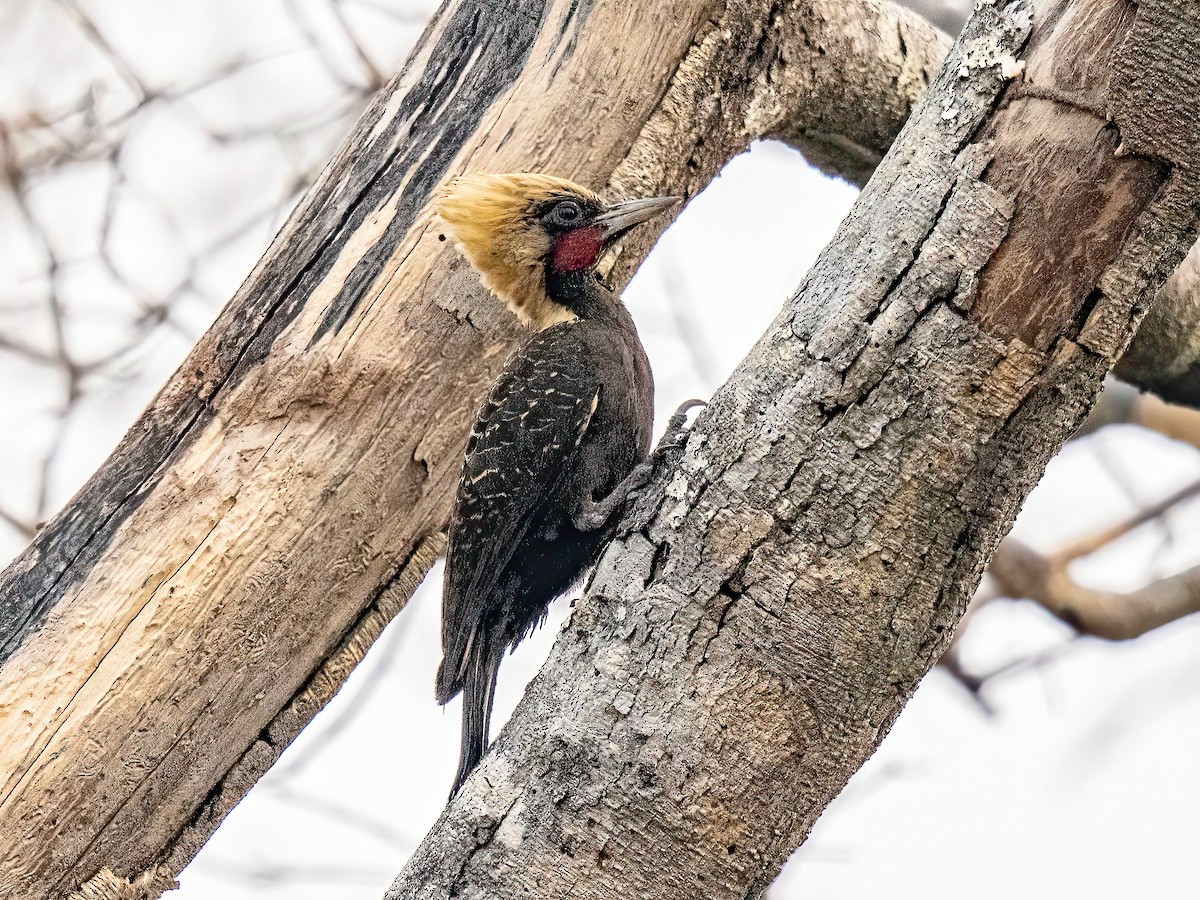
779,595
170,632
176,626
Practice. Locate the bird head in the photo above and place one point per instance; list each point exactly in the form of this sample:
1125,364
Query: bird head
516,230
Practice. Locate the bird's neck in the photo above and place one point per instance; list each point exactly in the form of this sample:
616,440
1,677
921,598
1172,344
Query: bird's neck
581,293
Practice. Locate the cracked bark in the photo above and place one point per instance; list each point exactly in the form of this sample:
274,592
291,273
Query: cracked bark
209,589
747,644
1164,357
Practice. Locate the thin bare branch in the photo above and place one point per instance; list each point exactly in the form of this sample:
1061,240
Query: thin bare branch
1025,573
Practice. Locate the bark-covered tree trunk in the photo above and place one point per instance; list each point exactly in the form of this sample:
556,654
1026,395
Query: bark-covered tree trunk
1165,354
211,587
746,646
171,631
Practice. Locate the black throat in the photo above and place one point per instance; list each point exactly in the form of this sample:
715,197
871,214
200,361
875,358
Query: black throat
582,293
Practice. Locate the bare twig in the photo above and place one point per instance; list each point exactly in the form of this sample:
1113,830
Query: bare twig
1025,573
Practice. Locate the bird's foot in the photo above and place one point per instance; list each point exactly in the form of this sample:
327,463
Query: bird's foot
677,429
593,514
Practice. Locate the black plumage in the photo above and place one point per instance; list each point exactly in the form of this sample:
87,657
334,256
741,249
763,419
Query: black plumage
563,436
569,418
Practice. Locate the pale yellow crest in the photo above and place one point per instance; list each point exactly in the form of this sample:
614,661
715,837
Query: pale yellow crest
492,219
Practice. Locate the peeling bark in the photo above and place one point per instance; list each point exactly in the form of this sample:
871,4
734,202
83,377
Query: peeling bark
1164,356
209,589
776,599
205,593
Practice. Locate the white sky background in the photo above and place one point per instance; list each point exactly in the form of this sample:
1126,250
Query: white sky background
1083,783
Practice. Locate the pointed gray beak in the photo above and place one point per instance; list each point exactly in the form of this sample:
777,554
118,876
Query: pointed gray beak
620,217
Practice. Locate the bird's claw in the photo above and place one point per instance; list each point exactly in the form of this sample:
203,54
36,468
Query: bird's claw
643,473
640,476
676,430
593,514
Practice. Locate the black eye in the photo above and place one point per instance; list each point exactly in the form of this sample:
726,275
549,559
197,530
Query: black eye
566,212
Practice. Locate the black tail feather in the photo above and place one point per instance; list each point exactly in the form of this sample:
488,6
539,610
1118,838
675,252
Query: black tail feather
479,688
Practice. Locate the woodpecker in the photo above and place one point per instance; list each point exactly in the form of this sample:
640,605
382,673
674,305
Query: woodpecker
564,435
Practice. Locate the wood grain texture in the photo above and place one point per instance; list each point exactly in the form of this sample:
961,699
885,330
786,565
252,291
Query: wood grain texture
307,447
748,643
212,585
1164,356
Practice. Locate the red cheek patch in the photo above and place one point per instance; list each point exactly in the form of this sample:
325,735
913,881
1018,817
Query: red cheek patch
578,249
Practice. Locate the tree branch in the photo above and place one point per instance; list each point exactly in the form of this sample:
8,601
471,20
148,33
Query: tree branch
1046,580
1165,356
213,584
1119,404
748,644
844,116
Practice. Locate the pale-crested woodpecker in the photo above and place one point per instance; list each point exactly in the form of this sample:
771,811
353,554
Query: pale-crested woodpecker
562,438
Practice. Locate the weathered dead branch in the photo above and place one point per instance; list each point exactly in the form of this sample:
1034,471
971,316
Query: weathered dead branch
168,633
747,645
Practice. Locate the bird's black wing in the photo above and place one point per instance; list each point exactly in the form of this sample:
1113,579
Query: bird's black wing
524,435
